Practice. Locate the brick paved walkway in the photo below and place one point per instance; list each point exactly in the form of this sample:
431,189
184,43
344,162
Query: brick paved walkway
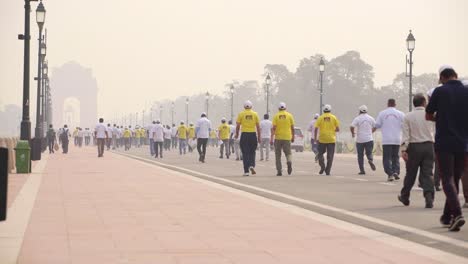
118,210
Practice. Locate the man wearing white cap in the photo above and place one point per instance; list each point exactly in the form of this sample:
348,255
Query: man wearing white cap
283,135
202,133
328,125
157,133
365,126
311,129
449,109
265,126
390,121
249,124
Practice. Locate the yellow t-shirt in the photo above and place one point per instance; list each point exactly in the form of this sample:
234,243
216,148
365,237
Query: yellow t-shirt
137,133
327,124
213,134
224,131
248,120
182,131
283,121
191,132
127,133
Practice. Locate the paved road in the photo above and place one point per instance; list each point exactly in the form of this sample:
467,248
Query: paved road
344,195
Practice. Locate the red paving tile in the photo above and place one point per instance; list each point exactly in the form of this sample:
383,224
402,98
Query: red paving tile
116,210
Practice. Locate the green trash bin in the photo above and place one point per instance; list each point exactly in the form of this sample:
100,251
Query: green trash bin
23,157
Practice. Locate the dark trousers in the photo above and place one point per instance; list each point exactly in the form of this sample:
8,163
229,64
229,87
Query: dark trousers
366,147
108,143
451,166
151,146
391,159
201,146
420,158
51,142
65,146
127,143
231,145
224,147
282,146
465,179
158,148
87,140
248,146
174,142
329,148
100,144
167,144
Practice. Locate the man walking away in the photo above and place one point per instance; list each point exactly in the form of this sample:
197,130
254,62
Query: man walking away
151,140
115,137
51,138
449,109
202,133
191,136
64,137
167,138
87,136
173,136
109,138
313,143
231,136
223,134
283,135
365,125
390,121
127,136
328,125
182,135
464,179
249,124
158,137
417,150
100,132
265,126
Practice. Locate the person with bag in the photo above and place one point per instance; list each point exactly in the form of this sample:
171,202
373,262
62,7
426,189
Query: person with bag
64,137
51,139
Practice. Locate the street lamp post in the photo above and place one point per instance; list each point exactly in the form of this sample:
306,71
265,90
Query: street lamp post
143,118
160,113
37,141
268,82
186,109
232,101
45,113
410,45
207,97
322,70
172,112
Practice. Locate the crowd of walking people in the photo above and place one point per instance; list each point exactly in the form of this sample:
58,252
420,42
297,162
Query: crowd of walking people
432,140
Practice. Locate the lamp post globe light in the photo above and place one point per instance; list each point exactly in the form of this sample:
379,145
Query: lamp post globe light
37,141
207,98
186,110
410,45
268,83
232,101
321,70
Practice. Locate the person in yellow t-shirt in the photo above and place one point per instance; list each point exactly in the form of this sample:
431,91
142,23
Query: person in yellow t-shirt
326,127
249,124
127,135
182,134
191,135
283,135
224,131
137,136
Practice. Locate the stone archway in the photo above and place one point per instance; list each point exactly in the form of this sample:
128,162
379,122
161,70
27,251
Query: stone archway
72,80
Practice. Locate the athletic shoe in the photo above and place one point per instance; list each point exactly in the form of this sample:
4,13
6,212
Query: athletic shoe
220,157
261,159
390,178
438,189
456,223
321,171
429,203
405,202
246,174
396,176
372,165
252,170
362,173
444,221
289,168
279,173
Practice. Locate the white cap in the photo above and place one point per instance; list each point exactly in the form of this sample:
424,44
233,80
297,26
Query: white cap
363,109
327,108
444,67
191,123
223,119
316,116
248,104
282,106
465,82
158,121
182,121
203,114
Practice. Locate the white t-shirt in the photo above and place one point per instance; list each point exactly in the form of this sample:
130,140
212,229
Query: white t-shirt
173,131
100,130
203,128
80,133
157,133
390,121
167,133
265,128
364,124
110,130
115,132
311,128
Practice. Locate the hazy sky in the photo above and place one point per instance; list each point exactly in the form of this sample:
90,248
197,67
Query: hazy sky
144,50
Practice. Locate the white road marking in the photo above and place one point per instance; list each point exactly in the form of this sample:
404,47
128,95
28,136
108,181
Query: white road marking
358,179
387,183
397,242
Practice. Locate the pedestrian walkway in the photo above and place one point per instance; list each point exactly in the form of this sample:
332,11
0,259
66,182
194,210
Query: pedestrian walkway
119,210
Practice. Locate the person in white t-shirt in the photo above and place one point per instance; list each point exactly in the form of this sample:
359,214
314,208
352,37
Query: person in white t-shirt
313,143
110,138
202,133
265,128
167,137
390,121
157,133
151,140
365,126
80,136
115,137
100,133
